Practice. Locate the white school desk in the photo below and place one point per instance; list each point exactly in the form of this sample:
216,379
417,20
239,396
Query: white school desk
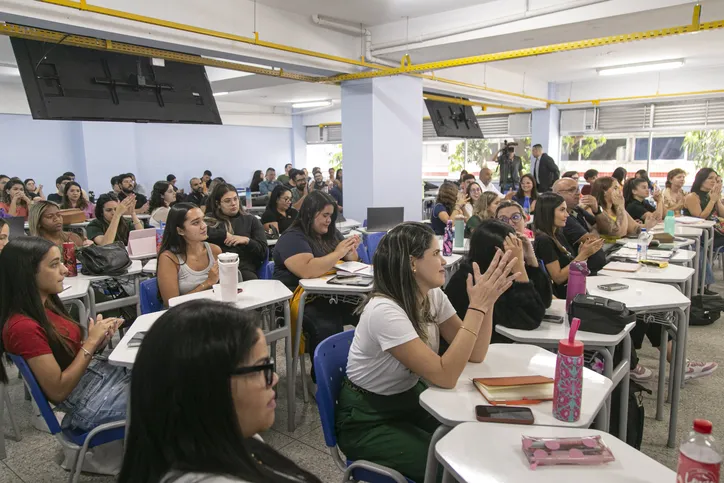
134,272
643,297
77,294
491,452
455,406
347,225
676,275
258,294
705,228
548,334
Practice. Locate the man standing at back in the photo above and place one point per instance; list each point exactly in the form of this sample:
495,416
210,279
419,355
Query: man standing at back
284,179
544,169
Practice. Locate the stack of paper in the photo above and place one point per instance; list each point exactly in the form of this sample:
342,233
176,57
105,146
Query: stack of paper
518,390
623,267
632,254
688,220
355,267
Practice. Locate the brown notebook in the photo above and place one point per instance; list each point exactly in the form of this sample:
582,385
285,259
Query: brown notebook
515,390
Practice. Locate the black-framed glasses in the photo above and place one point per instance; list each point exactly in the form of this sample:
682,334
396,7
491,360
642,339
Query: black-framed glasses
515,218
268,369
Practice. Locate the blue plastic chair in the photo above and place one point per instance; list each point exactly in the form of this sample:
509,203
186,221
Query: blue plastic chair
75,440
373,239
266,271
362,252
330,365
149,296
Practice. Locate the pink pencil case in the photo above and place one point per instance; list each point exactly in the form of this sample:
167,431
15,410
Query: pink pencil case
566,451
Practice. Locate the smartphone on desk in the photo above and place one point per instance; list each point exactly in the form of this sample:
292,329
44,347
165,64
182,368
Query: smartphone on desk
504,414
613,287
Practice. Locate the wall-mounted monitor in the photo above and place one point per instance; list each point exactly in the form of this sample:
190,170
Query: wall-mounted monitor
453,120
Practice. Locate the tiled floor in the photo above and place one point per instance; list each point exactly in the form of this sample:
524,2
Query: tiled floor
36,458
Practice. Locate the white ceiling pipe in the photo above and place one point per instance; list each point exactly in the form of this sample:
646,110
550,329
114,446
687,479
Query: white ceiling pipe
355,30
396,46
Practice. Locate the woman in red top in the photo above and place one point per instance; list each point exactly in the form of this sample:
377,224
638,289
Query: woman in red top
15,201
36,326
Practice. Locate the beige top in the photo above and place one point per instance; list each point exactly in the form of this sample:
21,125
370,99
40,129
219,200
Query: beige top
673,201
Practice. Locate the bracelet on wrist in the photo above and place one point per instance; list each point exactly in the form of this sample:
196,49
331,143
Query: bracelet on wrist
465,328
478,310
85,352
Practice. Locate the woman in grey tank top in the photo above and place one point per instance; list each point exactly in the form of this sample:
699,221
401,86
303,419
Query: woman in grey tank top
186,262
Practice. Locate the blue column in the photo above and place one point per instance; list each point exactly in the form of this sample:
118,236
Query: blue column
382,144
546,131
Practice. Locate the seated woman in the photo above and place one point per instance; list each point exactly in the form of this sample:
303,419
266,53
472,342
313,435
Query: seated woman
279,212
206,367
162,197
235,231
36,327
484,209
257,178
4,233
617,223
109,225
673,196
449,204
186,262
395,348
473,192
635,193
46,222
527,193
524,304
33,190
705,202
73,199
551,245
15,201
310,248
511,213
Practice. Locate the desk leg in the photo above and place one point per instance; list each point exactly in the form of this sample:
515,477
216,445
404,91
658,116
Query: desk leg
678,374
431,467
92,301
137,288
290,368
660,392
623,414
297,342
705,256
697,266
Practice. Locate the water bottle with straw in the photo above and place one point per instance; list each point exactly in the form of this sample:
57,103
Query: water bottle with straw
568,383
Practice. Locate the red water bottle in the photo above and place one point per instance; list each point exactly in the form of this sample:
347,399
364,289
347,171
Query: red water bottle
69,259
699,456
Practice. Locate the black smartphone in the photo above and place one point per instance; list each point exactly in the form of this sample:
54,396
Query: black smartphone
504,414
613,287
354,280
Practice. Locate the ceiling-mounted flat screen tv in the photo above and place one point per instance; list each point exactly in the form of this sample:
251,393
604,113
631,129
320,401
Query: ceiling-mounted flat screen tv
73,83
453,120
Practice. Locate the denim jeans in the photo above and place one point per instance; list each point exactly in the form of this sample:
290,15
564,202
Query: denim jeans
100,397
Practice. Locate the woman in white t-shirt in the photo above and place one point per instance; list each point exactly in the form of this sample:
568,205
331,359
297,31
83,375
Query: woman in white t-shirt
395,345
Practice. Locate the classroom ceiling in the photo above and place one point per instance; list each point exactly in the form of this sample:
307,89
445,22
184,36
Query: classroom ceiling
371,12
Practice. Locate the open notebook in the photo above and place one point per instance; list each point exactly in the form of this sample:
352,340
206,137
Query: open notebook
517,390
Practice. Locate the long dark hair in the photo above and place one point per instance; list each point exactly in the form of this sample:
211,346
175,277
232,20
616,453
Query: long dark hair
630,186
255,180
699,179
172,241
598,190
183,418
533,193
274,197
123,231
313,204
19,294
487,237
214,214
620,174
65,204
545,215
393,276
157,194
8,186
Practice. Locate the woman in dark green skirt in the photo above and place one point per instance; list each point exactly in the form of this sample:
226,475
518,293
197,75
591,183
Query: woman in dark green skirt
379,417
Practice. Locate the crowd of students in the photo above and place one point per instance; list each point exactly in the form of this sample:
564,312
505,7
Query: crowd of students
209,362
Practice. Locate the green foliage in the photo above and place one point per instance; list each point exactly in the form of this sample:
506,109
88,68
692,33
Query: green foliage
479,151
336,160
586,147
705,148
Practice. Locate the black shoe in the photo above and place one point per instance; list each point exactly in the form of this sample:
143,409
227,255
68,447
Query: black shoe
710,292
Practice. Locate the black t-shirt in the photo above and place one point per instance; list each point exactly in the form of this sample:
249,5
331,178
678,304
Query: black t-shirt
55,198
140,199
284,222
198,199
547,250
293,242
637,209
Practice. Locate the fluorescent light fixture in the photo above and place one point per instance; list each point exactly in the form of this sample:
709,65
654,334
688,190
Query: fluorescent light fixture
646,67
219,94
9,70
302,105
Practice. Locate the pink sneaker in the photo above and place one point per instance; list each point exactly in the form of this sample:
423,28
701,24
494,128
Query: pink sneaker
642,374
695,369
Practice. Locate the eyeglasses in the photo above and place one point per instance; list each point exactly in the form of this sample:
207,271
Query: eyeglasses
268,369
513,219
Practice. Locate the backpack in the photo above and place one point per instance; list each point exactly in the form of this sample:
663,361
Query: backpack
705,309
635,425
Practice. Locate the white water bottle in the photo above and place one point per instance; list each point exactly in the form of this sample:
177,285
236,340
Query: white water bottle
699,456
642,246
228,276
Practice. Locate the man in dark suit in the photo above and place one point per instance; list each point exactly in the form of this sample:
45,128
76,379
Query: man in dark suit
544,169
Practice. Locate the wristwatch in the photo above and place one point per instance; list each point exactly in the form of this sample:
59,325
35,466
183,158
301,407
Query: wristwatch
600,210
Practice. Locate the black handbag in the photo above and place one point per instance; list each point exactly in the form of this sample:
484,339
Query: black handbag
111,260
599,314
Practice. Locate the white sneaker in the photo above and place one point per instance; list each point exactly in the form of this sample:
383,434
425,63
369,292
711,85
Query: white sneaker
695,369
642,374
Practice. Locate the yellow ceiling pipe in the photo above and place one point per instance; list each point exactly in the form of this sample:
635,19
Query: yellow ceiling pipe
535,51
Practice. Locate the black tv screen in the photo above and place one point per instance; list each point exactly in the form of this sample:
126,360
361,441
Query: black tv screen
453,120
73,83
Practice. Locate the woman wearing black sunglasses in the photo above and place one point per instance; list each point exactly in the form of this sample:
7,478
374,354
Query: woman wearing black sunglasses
202,388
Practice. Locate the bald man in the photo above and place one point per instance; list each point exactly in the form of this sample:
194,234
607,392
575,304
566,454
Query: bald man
486,181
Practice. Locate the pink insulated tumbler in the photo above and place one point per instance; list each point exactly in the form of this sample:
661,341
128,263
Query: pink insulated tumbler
568,383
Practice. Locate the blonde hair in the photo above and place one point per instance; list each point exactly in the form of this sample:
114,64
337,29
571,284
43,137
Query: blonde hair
481,206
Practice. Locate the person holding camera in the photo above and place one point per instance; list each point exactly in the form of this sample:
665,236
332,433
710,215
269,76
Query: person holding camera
511,168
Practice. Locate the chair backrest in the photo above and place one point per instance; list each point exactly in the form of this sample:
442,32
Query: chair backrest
373,239
362,252
37,393
149,296
330,366
266,270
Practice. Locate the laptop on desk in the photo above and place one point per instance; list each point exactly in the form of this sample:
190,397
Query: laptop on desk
384,219
17,226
